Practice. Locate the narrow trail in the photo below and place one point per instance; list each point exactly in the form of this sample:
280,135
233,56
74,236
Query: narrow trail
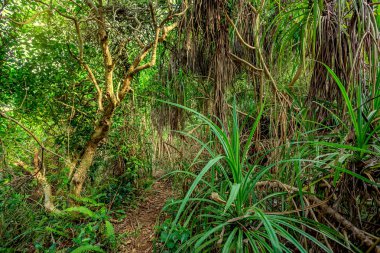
140,222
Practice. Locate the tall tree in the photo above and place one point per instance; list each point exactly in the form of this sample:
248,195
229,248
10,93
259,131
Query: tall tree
128,35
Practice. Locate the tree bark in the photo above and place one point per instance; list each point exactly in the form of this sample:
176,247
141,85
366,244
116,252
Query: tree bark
100,132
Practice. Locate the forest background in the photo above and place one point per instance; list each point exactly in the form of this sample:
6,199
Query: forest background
262,114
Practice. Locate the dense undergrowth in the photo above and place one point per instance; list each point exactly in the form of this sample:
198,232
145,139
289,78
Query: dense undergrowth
236,205
26,226
117,178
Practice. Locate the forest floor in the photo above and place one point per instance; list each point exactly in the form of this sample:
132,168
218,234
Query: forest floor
140,222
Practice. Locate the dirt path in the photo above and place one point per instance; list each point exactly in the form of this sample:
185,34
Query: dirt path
140,222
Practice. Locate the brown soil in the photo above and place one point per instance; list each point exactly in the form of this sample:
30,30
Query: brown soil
140,222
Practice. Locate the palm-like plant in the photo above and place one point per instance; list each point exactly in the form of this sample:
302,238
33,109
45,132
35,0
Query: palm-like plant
339,34
224,209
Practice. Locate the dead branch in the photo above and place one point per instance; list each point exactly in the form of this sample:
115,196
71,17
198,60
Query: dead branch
41,179
356,232
154,21
237,58
91,76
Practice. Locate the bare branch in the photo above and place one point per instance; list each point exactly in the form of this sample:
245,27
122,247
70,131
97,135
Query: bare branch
99,91
134,68
184,10
281,96
80,39
72,107
154,21
237,58
2,114
81,61
91,4
104,43
106,53
145,52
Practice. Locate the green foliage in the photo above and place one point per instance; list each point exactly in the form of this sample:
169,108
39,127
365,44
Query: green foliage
170,240
363,121
235,206
83,210
87,248
109,233
76,228
223,209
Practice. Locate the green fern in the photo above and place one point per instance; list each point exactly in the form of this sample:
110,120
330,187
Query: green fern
86,200
83,210
109,233
87,248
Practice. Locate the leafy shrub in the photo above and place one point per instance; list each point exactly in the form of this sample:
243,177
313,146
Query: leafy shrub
25,225
169,240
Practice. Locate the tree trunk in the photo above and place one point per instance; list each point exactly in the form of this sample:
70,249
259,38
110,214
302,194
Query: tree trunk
103,126
101,130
